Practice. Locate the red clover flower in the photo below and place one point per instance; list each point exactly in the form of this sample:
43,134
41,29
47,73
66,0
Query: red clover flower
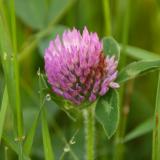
76,67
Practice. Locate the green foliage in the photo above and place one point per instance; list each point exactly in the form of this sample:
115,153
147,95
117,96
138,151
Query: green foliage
39,13
31,133
47,145
107,112
137,68
156,129
140,54
3,111
9,141
111,47
46,138
57,9
32,12
140,130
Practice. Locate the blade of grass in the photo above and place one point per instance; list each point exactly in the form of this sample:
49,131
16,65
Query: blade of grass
46,138
9,63
140,130
16,72
156,129
107,20
19,114
10,143
29,140
6,153
30,137
3,111
49,155
140,54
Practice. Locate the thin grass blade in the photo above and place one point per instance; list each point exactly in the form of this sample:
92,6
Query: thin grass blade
140,130
49,155
3,111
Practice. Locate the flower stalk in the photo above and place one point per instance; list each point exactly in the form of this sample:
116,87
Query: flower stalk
89,123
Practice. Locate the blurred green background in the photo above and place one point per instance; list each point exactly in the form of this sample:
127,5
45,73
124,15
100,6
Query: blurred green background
38,21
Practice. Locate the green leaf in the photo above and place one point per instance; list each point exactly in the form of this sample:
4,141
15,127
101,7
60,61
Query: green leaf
137,68
141,54
39,13
111,47
44,43
58,8
107,112
140,130
3,111
32,12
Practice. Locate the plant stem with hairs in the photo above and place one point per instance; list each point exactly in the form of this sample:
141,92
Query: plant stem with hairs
89,123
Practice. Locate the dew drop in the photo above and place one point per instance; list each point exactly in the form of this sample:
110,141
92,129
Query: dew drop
39,72
48,97
66,149
72,141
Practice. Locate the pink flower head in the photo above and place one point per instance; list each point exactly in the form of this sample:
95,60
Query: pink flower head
76,67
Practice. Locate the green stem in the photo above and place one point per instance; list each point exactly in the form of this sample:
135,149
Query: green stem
18,109
107,20
156,130
11,70
16,73
47,144
89,131
125,34
5,153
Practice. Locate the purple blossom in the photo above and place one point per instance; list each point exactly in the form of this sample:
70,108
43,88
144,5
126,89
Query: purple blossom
77,68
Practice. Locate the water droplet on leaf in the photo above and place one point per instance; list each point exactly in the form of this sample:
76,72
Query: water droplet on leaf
48,97
72,141
67,149
39,72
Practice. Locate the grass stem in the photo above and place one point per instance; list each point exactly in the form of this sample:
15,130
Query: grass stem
16,73
156,130
107,21
18,109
